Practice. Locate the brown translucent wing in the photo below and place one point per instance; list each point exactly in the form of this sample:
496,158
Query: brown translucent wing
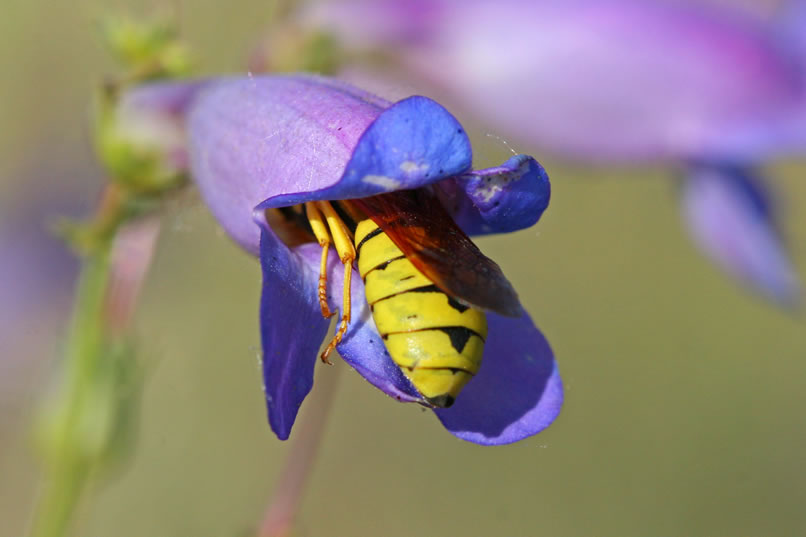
424,231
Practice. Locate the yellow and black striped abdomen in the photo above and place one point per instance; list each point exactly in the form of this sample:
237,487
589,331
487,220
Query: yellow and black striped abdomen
436,341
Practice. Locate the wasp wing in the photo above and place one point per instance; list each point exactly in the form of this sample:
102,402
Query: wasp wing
424,231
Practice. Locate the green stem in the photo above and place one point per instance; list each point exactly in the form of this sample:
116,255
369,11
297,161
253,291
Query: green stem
87,330
58,502
88,419
69,455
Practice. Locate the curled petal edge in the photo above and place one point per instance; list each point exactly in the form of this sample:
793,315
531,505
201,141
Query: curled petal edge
413,143
503,199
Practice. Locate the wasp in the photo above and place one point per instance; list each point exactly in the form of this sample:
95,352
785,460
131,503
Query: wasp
427,285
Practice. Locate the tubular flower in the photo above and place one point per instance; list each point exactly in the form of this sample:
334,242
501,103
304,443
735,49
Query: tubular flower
621,81
259,148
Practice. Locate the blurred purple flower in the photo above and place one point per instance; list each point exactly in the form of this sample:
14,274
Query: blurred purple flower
258,143
624,81
36,277
728,211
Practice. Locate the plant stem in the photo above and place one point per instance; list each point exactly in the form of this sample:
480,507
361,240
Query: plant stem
67,467
280,514
82,420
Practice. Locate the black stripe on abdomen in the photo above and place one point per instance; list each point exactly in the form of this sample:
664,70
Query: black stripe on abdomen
374,233
382,266
452,302
459,335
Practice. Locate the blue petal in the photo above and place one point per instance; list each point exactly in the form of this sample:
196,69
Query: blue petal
516,393
363,348
730,215
292,329
506,198
413,143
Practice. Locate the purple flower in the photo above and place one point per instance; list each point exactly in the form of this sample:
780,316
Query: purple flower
259,143
36,276
730,214
622,81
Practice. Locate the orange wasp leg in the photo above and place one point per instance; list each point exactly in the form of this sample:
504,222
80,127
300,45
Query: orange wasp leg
343,241
319,227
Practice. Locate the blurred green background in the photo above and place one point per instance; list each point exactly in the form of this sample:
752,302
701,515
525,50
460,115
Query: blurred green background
685,397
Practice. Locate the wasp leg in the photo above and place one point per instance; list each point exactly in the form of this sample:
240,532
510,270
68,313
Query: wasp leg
343,241
319,228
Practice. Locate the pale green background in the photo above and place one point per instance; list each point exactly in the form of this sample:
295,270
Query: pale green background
685,395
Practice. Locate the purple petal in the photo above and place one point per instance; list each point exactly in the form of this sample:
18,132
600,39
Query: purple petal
729,215
516,393
37,273
286,140
608,79
292,329
295,139
413,143
507,198
391,22
171,98
252,138
791,24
